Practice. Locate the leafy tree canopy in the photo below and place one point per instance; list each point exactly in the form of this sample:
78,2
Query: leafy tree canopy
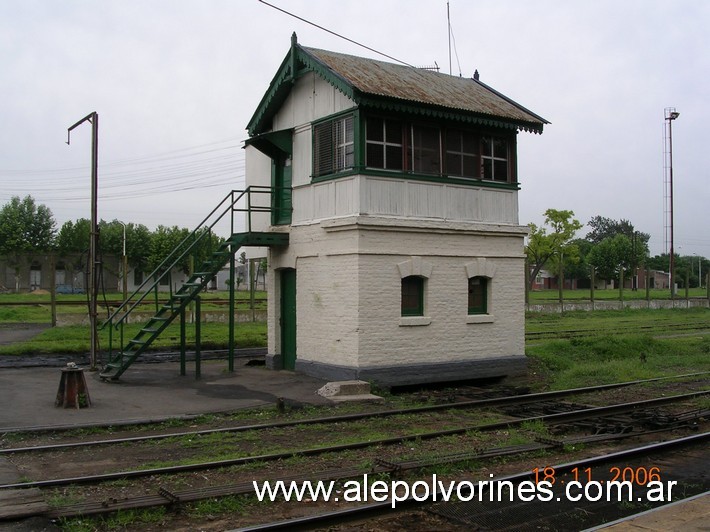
25,227
552,242
603,228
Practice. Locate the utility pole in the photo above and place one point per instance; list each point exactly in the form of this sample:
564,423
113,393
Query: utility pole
670,115
93,119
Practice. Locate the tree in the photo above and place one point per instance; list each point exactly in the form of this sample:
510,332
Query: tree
164,240
544,246
631,255
578,268
73,237
25,227
25,230
610,255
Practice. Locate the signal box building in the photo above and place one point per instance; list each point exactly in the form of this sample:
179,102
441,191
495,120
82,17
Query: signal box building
398,188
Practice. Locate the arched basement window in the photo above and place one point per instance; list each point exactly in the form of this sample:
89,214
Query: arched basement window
413,295
478,295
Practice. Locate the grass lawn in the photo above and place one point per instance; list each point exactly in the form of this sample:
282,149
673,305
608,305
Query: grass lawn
36,308
547,296
568,350
623,345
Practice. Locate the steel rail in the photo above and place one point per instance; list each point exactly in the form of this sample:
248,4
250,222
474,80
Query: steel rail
186,496
570,333
575,415
478,403
381,508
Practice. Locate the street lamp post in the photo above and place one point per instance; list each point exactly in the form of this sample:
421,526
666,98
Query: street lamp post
93,288
124,264
671,114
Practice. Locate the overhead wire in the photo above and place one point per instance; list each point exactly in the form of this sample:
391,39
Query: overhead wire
176,170
336,34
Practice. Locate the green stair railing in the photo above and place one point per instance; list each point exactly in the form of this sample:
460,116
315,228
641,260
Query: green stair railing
128,351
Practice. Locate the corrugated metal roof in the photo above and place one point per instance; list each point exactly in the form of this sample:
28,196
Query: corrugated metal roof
389,80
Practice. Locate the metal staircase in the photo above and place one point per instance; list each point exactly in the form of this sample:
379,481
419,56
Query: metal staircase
129,351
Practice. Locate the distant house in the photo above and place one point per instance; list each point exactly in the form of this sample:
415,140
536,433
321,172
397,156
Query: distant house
398,188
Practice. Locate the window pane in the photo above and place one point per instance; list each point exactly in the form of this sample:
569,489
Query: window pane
469,166
453,164
412,296
374,129
453,140
486,147
323,149
500,148
477,294
349,129
375,155
426,156
344,143
487,169
393,131
500,170
394,158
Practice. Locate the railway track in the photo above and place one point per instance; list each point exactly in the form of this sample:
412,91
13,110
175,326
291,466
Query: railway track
656,330
166,496
486,513
504,401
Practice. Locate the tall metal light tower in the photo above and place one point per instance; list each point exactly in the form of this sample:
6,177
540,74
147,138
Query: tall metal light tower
670,114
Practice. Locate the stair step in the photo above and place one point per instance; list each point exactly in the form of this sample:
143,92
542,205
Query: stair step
137,342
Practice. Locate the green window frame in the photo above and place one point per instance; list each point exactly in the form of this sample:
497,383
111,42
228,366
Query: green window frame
413,295
478,295
438,150
384,144
334,146
495,159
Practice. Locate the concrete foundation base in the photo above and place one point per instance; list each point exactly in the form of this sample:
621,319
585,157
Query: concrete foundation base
344,391
402,375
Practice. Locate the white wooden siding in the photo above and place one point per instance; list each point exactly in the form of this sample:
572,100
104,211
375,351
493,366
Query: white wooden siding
403,198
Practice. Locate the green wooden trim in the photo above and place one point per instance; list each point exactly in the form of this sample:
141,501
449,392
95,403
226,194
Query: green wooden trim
398,106
333,117
359,138
274,144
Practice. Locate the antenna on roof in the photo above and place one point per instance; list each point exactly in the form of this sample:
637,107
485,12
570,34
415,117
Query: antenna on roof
448,31
452,38
433,67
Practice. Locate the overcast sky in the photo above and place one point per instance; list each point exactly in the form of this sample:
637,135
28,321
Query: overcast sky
175,83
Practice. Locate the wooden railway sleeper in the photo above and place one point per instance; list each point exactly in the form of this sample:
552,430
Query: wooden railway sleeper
174,499
390,466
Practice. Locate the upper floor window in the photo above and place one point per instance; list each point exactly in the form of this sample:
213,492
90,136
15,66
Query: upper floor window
462,153
425,149
384,143
333,146
434,150
494,158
